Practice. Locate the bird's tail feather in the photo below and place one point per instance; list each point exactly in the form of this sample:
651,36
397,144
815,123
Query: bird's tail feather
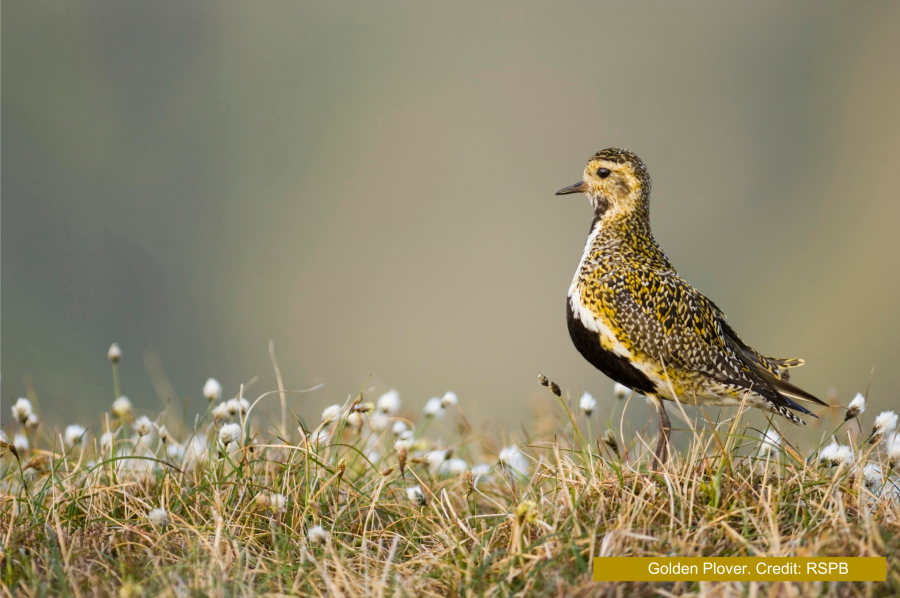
785,363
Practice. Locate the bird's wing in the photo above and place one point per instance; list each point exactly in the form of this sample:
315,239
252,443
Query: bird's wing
766,367
667,319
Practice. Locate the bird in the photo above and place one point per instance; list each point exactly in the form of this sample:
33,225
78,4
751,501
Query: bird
636,320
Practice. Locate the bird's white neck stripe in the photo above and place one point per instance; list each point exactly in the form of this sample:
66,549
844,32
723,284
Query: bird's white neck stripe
588,246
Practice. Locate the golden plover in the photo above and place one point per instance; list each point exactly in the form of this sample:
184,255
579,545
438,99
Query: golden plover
638,322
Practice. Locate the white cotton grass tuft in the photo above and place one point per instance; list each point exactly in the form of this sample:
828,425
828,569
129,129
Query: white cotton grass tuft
406,435
164,434
121,407
587,403
843,456
768,442
514,459
856,407
354,420
449,399
74,434
229,433
143,426
212,390
278,502
221,411
114,354
835,455
21,410
433,407
893,453
238,406
379,421
330,413
389,402
399,428
20,441
454,466
621,391
872,477
436,458
317,535
159,517
885,424
416,496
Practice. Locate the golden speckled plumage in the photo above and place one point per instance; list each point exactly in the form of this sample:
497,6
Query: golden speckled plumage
634,318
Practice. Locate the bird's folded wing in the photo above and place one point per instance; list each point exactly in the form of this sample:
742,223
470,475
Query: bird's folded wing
668,320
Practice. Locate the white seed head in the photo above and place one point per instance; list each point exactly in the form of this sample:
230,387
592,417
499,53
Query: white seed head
354,420
115,353
621,391
455,466
158,517
143,426
872,476
73,434
826,455
433,407
399,428
449,399
331,413
379,421
237,406
843,456
221,411
164,434
587,403
406,435
212,390
885,422
769,442
513,458
122,407
20,441
389,402
229,433
856,406
317,535
894,453
22,409
416,496
401,446
106,441
278,502
435,458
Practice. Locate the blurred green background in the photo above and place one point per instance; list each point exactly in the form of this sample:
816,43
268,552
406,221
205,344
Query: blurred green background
370,186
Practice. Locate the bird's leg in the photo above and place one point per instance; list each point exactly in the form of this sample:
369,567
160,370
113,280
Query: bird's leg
661,454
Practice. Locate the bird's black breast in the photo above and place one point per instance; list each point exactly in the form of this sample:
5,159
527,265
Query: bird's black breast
615,366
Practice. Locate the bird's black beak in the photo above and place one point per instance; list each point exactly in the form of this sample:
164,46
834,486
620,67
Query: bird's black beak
576,188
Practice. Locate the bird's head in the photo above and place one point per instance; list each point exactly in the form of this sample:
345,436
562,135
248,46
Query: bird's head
614,179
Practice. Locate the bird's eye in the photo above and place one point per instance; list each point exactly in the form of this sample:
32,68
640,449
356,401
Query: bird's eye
603,173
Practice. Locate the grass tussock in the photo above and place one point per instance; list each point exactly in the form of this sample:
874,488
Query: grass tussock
372,502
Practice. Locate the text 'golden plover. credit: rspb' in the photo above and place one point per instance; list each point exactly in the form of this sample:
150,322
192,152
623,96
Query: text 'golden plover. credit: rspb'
638,322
